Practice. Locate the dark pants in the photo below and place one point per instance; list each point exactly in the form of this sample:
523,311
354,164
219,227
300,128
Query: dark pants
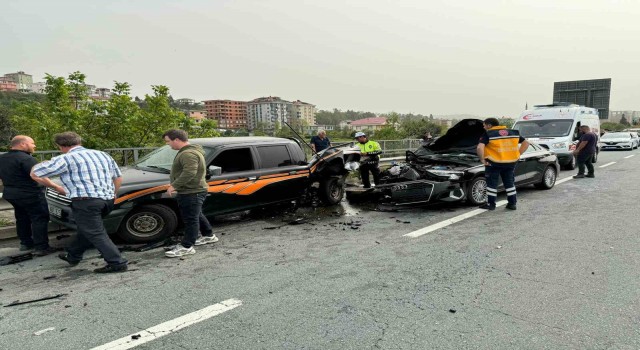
582,160
493,173
88,214
364,174
32,220
194,221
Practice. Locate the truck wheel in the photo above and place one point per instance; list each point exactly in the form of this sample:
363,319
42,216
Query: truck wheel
148,223
571,165
548,179
331,191
477,191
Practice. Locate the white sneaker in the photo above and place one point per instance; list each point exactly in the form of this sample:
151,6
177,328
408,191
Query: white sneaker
202,240
179,251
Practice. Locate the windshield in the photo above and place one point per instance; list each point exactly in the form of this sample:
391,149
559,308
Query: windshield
161,159
544,128
616,135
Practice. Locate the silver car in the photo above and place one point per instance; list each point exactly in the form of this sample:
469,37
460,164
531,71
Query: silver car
619,140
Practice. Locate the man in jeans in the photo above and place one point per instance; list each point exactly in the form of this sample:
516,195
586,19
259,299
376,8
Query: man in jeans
188,180
585,151
91,180
26,196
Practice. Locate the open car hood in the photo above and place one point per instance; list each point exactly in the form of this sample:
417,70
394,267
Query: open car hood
465,135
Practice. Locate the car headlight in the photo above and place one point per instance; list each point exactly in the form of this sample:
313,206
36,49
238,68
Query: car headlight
559,145
452,175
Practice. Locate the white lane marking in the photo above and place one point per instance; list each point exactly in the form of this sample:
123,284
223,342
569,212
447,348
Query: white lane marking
629,156
431,228
169,327
606,165
564,180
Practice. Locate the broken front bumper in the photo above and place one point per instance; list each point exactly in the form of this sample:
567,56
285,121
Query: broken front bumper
411,192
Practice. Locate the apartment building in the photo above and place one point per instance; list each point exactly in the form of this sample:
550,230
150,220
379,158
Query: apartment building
229,114
304,112
7,84
268,112
22,80
376,123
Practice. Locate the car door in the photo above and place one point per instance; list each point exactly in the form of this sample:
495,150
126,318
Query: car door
528,164
284,175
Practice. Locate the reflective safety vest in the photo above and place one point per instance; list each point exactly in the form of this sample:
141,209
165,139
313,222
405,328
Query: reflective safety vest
503,145
372,149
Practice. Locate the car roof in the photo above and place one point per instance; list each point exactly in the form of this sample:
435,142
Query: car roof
249,140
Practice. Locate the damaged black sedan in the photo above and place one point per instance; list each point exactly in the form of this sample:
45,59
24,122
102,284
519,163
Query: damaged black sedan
449,170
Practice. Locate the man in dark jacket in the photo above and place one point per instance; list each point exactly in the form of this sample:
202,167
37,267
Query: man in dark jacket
188,180
26,196
585,152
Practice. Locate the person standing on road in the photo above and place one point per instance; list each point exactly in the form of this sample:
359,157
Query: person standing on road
320,142
585,152
26,196
498,151
369,152
188,180
91,179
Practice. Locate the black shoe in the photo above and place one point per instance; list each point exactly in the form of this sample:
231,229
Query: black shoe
487,206
112,268
43,252
26,248
579,176
590,175
511,207
65,257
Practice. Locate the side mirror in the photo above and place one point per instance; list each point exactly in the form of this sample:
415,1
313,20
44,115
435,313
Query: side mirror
215,170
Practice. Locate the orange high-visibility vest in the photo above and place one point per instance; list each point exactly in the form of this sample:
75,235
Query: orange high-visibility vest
503,145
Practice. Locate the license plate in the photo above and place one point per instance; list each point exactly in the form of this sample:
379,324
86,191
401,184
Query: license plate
55,211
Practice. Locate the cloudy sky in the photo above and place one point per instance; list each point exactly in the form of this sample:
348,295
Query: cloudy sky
486,58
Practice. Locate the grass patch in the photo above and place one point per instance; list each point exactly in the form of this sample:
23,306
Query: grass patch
6,222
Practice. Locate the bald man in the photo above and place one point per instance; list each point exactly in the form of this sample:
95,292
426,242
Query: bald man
26,196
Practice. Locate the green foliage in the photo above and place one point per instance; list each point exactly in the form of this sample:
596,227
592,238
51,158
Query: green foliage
508,122
624,121
114,123
415,129
609,126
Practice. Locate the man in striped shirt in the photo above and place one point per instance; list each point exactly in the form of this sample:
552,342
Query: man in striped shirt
91,179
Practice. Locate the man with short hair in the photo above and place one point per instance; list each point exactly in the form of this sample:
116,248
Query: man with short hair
188,180
585,152
498,151
91,179
320,142
369,158
26,196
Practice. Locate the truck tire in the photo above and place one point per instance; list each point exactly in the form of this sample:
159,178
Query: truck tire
331,191
477,191
148,223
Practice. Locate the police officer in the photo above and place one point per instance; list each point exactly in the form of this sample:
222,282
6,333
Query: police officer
498,150
369,158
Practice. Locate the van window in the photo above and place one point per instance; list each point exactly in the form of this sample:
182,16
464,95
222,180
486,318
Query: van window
544,128
274,156
234,160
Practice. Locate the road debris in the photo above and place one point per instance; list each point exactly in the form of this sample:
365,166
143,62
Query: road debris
135,336
453,311
18,302
148,246
298,221
44,331
14,259
49,277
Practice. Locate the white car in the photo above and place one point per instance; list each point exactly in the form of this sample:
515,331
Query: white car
619,140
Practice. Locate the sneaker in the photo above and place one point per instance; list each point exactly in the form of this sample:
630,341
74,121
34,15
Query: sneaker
65,257
179,251
590,175
111,268
487,206
511,207
579,176
44,252
26,248
202,240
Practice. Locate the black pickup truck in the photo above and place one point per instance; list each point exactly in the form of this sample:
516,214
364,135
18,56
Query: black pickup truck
244,173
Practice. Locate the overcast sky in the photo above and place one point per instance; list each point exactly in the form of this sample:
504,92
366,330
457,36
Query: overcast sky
481,57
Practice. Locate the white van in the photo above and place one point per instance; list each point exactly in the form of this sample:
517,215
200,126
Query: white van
556,126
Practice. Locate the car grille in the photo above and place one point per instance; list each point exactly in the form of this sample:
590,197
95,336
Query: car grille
411,192
52,194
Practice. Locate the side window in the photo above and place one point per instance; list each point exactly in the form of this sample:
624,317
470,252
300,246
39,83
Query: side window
274,156
234,160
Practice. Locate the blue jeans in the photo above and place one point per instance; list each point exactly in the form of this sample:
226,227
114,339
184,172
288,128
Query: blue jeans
194,221
32,220
493,173
88,214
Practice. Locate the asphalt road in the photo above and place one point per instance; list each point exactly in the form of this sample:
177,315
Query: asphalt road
559,273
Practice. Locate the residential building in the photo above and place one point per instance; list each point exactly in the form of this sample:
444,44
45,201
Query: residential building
632,117
198,116
7,84
22,80
91,90
38,88
268,112
185,101
229,114
444,122
102,93
303,112
376,123
313,129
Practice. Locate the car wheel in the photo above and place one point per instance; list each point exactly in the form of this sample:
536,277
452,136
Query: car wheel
548,179
477,191
331,191
148,223
571,165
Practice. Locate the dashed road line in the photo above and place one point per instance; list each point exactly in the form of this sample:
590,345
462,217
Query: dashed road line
606,165
564,180
629,156
169,327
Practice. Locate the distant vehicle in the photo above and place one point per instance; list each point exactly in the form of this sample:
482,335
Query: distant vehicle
449,170
556,128
619,140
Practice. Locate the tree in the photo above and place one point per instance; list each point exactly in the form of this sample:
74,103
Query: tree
608,126
624,121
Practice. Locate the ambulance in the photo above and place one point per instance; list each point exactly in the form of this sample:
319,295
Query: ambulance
556,127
